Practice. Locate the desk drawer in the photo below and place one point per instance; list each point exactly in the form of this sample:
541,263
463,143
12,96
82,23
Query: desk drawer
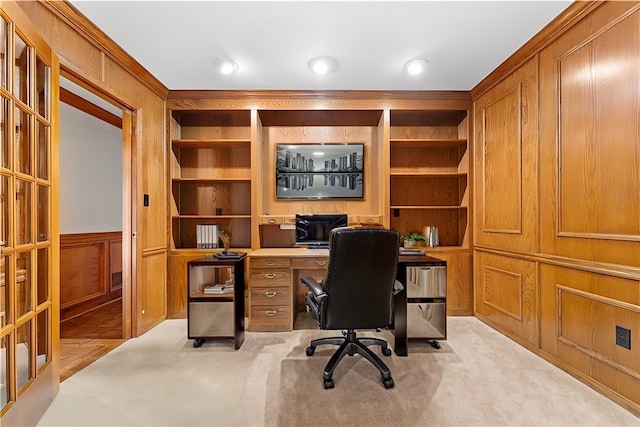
270,296
270,277
310,263
270,319
269,262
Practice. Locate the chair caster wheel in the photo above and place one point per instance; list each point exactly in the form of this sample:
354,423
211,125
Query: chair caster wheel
388,383
197,343
310,351
435,344
328,383
386,351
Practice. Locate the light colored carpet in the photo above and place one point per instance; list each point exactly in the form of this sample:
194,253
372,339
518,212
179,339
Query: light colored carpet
478,378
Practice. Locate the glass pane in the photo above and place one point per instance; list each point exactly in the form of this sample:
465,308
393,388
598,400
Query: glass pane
42,88
4,368
23,146
25,371
42,336
23,212
42,153
5,276
43,213
21,76
4,133
4,211
4,43
43,275
23,282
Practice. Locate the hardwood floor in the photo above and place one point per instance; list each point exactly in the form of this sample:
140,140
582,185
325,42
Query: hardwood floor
86,338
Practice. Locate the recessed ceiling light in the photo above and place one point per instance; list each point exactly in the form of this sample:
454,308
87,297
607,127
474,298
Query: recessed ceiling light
416,66
225,66
323,65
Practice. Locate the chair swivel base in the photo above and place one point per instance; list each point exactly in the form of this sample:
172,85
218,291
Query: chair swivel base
350,345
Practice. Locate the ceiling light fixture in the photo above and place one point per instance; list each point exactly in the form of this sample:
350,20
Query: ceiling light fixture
323,65
225,66
416,66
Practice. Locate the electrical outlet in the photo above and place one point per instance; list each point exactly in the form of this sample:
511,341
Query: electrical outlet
623,337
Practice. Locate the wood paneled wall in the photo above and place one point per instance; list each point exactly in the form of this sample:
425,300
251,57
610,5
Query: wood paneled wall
90,271
557,197
92,58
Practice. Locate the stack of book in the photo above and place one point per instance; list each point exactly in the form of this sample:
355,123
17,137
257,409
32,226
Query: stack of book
411,252
220,288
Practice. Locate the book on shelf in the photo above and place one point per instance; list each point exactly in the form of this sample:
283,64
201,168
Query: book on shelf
219,288
411,252
206,236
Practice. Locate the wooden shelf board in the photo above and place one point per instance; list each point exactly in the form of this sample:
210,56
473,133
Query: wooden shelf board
210,180
247,216
426,143
211,143
429,207
428,174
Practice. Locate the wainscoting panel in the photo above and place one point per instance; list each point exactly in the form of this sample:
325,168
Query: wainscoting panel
507,294
90,271
579,314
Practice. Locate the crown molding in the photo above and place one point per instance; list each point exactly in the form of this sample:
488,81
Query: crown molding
87,29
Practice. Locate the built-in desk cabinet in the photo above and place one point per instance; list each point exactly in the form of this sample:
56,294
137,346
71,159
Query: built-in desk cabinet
221,161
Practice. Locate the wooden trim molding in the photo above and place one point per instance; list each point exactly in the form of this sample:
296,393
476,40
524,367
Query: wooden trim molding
82,104
82,25
569,17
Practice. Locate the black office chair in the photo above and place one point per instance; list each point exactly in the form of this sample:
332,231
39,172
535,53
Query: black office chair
357,293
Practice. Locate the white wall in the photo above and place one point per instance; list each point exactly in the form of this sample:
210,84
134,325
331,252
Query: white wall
90,173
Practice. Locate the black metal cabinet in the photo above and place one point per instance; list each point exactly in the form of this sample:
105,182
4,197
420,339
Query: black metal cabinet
215,315
420,304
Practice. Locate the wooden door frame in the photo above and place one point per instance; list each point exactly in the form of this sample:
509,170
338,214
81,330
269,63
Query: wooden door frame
128,198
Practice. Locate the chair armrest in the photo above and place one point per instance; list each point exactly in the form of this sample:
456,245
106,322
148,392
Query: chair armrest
315,286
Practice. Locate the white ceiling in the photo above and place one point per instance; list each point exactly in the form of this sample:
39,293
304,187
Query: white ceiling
273,41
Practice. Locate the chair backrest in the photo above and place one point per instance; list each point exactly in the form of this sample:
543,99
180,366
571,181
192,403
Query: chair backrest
360,278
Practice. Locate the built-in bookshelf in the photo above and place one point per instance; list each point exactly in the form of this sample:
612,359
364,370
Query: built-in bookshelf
428,173
210,175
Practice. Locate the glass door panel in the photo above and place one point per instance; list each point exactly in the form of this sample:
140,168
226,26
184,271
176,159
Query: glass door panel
23,359
5,368
42,293
23,212
5,279
21,74
43,213
23,284
4,133
42,88
42,339
4,211
42,151
23,141
4,50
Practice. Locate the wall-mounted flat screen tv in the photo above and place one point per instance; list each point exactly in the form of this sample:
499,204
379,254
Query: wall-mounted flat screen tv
320,171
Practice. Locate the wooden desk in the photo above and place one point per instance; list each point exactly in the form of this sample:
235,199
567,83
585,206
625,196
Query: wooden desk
275,293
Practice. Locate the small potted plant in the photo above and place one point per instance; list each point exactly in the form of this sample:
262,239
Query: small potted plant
414,239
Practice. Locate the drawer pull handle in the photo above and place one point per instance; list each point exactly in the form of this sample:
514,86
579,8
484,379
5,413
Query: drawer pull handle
270,294
369,220
271,220
322,263
270,262
270,313
270,275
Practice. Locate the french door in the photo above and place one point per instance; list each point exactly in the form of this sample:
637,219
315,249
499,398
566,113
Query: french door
29,235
